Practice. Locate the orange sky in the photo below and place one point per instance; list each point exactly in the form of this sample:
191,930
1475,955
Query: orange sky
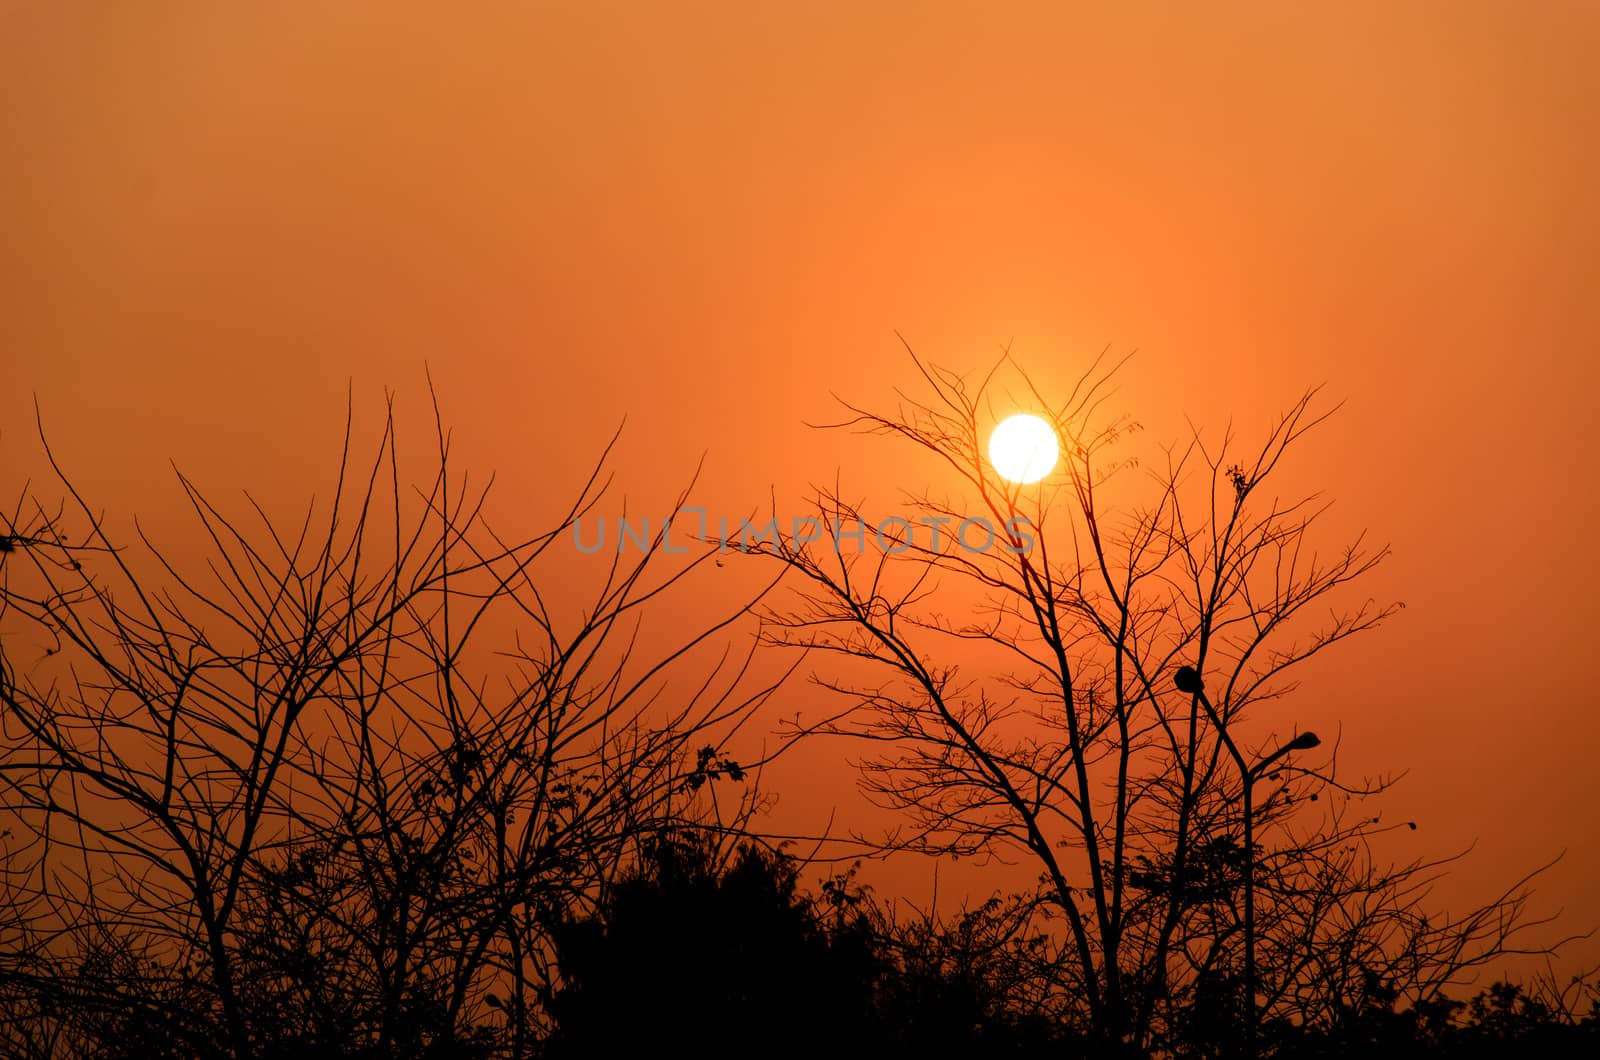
707,217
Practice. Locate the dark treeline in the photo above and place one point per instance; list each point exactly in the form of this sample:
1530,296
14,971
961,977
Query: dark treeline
353,786
729,954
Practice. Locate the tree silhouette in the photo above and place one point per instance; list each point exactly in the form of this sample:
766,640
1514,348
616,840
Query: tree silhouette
288,802
1090,692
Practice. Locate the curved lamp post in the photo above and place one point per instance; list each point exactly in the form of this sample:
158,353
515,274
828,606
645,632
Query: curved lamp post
1187,679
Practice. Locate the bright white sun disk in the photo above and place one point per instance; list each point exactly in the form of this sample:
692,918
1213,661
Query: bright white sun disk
1023,449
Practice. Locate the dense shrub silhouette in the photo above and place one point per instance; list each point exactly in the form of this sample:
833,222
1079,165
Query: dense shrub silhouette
692,952
1500,1021
687,953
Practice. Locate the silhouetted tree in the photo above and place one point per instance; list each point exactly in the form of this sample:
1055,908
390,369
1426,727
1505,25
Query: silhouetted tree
1021,698
287,801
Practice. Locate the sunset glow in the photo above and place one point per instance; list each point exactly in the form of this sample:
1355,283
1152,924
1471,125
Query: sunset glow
905,528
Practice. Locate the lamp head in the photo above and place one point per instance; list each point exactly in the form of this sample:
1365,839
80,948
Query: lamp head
1305,741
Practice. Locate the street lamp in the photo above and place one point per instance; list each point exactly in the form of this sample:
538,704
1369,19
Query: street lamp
1187,679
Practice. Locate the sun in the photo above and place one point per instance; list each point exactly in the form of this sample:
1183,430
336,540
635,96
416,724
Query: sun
1023,448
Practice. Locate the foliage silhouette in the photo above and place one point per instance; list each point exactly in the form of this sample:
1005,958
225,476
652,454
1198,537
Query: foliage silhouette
723,950
720,955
